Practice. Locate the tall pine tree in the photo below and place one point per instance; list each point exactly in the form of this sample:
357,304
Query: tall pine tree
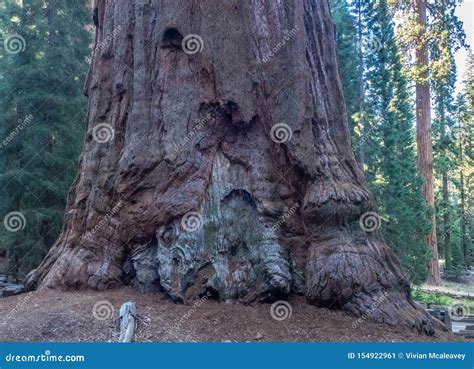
423,33
392,163
465,182
388,141
442,87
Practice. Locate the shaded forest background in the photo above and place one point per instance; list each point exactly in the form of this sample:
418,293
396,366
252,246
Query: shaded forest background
44,61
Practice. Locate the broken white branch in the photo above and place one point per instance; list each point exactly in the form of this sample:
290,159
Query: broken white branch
128,315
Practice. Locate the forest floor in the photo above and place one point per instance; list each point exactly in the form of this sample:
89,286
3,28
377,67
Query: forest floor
69,316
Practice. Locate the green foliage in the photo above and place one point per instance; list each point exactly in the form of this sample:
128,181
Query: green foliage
412,36
42,112
439,299
443,35
445,138
464,181
347,48
393,160
386,134
452,130
388,141
455,267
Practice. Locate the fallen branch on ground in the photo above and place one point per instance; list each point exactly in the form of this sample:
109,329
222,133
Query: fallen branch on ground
128,314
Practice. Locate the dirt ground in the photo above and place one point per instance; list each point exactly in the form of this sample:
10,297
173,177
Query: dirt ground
93,316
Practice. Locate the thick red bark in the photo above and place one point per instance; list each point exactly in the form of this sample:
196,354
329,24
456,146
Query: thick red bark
230,170
423,138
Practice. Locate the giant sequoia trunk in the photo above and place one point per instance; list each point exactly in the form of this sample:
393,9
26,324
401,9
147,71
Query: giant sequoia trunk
230,170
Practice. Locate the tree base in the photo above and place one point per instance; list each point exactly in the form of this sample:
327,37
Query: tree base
230,252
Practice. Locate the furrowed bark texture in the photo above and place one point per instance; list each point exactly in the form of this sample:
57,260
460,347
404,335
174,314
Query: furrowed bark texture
423,139
193,133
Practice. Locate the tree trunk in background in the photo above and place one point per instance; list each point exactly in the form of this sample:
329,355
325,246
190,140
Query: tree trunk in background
423,138
446,219
445,180
464,241
229,170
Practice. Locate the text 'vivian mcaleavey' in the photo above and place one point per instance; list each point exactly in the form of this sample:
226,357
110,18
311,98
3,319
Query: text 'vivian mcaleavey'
434,355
